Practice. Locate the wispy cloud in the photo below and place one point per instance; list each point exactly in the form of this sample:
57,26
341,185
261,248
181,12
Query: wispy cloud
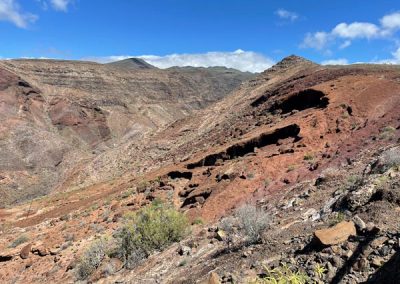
345,44
10,11
60,5
345,33
318,40
394,60
239,59
286,15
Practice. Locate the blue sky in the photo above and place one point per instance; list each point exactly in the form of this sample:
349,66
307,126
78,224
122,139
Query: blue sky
245,34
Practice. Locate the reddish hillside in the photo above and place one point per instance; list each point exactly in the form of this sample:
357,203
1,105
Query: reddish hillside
301,141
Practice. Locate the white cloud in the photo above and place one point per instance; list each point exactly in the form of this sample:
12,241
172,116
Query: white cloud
10,11
340,61
60,5
239,59
352,31
287,15
356,30
316,40
391,21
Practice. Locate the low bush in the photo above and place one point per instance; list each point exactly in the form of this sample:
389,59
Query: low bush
389,159
283,275
387,133
248,223
92,258
150,229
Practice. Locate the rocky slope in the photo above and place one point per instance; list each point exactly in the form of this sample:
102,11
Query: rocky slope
315,148
59,114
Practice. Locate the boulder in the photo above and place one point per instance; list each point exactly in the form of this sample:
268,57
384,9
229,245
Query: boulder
40,250
54,251
24,254
336,234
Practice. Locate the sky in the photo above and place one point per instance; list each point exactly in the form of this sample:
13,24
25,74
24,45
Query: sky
249,35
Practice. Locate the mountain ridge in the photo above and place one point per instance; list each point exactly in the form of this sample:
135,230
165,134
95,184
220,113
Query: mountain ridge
312,150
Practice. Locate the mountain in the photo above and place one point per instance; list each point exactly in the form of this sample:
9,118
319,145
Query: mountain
60,114
131,63
295,174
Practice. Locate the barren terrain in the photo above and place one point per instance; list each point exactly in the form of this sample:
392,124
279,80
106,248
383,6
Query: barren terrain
313,147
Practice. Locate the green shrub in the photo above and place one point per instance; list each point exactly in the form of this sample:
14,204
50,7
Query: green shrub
336,218
150,229
20,240
198,221
283,275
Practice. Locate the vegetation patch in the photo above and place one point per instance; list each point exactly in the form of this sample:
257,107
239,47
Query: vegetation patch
20,240
246,225
150,229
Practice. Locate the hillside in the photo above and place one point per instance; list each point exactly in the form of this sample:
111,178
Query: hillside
313,149
59,114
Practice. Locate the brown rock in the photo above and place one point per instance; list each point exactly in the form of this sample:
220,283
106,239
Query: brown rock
377,243
41,251
337,234
213,278
54,251
24,254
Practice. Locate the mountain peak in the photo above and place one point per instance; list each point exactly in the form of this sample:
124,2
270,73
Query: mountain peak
293,60
132,63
